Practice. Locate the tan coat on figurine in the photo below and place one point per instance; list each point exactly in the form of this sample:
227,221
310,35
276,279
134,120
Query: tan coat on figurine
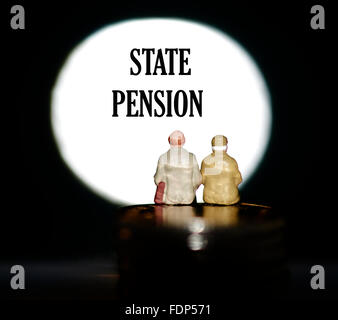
220,174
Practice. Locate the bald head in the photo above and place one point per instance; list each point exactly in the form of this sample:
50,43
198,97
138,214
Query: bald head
176,138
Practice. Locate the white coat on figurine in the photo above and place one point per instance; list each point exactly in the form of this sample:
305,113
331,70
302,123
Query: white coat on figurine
177,176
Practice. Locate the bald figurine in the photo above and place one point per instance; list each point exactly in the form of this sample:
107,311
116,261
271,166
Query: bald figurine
177,176
220,174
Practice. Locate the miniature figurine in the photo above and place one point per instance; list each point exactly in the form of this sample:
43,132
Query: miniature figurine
177,176
220,174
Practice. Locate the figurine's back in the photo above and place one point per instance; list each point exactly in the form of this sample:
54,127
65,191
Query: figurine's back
179,171
179,184
220,179
220,175
177,176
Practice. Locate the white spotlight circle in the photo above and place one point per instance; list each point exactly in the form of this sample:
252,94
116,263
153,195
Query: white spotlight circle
117,156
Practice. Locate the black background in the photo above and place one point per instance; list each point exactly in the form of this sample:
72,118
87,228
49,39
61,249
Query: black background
51,214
